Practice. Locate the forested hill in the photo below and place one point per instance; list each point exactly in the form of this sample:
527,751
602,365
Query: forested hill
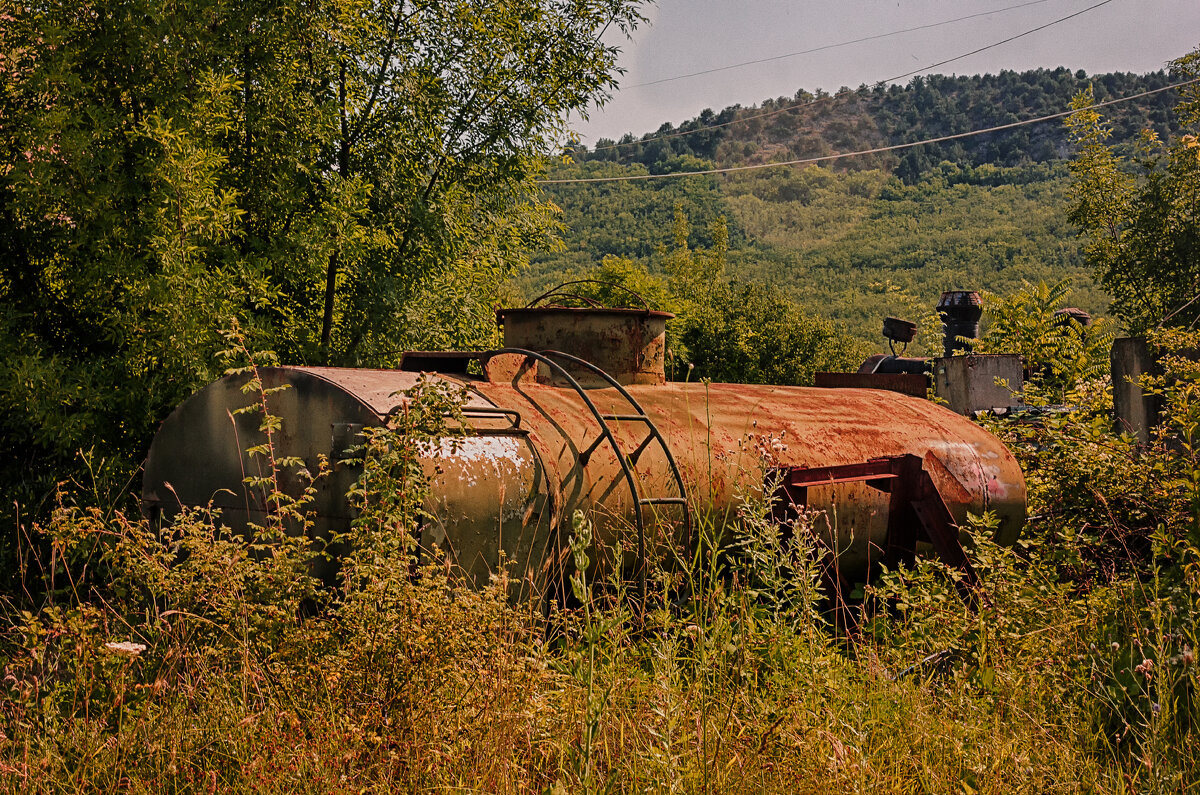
808,125
856,238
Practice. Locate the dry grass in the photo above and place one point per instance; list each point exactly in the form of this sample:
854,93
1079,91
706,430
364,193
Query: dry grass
414,684
187,660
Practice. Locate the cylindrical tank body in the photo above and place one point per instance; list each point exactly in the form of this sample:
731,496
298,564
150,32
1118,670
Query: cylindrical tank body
724,437
514,487
488,492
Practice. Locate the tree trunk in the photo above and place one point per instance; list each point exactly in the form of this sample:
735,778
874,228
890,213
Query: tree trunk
334,258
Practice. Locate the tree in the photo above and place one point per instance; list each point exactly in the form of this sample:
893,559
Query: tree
1140,218
315,168
725,329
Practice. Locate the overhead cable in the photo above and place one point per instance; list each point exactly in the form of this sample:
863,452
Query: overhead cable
875,151
777,111
825,47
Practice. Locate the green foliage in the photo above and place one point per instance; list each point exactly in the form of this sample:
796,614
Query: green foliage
389,497
1139,218
199,621
225,668
981,213
755,334
186,658
849,248
621,282
930,106
725,329
189,659
780,564
347,179
1060,355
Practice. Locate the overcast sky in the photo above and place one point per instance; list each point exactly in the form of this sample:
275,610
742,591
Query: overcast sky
684,36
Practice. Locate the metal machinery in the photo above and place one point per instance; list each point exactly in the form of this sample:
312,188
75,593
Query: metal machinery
575,413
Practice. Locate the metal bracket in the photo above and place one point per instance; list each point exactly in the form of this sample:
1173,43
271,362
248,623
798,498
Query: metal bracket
917,510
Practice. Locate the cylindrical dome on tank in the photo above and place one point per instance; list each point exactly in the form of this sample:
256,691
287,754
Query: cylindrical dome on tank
628,344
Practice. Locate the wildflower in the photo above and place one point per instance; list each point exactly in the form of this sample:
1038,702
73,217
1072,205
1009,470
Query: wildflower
124,648
1187,656
1146,669
1191,143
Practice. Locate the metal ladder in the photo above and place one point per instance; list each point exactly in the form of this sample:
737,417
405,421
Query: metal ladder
626,460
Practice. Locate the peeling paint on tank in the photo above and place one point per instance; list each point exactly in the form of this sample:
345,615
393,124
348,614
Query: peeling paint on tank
494,449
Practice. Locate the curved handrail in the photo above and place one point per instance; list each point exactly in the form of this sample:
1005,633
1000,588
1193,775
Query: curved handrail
555,291
606,431
662,442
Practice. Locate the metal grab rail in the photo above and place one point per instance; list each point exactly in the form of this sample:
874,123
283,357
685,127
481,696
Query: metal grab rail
558,291
655,434
608,435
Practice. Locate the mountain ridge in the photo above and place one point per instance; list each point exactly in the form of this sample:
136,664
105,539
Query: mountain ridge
857,238
820,124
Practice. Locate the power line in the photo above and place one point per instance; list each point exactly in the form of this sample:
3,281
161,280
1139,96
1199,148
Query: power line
825,47
777,111
875,151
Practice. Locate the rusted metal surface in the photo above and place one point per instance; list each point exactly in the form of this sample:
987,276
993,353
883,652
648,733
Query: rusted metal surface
905,383
725,435
641,499
629,344
1073,313
918,509
899,330
507,494
876,473
490,494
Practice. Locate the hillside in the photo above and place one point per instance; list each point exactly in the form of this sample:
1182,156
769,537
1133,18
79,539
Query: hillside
814,125
856,238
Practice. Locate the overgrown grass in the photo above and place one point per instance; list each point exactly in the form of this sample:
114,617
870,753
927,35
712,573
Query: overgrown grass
188,660
414,683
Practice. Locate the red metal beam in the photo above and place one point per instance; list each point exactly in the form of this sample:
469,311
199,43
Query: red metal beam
876,469
917,510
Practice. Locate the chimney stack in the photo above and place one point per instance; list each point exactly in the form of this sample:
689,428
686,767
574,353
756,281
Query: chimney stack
960,311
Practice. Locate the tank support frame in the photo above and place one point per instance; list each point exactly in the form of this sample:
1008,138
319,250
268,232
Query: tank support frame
917,511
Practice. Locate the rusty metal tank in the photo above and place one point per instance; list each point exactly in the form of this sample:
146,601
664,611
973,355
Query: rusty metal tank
555,435
489,490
